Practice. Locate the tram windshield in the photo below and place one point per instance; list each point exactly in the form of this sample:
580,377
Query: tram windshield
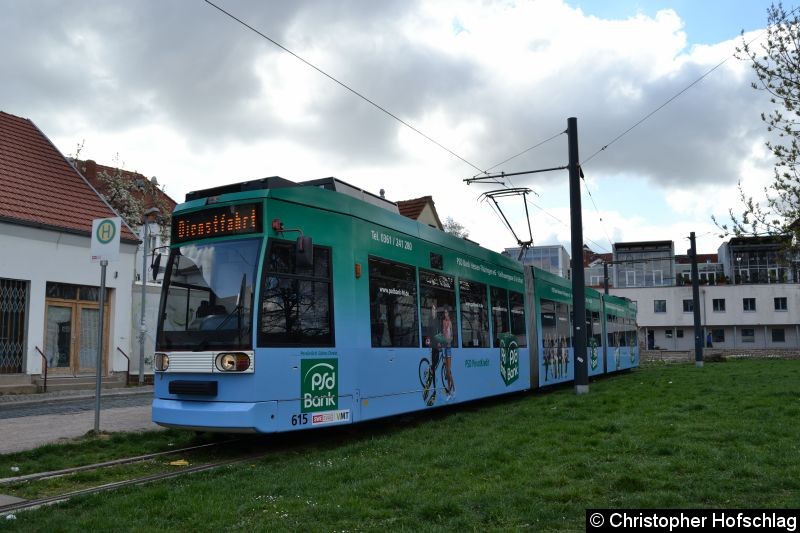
209,296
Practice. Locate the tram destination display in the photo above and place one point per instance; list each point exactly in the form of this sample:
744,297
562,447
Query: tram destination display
217,222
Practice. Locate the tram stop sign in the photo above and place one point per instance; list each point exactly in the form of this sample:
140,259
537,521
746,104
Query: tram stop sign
105,239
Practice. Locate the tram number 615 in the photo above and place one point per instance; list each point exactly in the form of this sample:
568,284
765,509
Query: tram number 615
299,420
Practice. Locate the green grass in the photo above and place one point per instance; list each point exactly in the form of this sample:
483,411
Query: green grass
661,436
97,448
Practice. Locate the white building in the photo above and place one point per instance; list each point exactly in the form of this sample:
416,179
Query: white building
49,288
749,297
157,208
748,294
736,316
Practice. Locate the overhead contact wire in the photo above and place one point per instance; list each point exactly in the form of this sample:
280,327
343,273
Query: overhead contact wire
670,100
342,84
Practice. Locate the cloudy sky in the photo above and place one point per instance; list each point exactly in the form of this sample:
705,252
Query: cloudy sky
180,91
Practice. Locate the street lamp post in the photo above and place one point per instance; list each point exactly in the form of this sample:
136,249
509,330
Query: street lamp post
153,211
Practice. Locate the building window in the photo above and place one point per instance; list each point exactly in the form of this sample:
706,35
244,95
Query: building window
659,306
679,333
718,335
778,335
688,306
743,276
780,304
658,277
749,304
64,291
748,335
630,278
595,281
718,305
708,277
668,333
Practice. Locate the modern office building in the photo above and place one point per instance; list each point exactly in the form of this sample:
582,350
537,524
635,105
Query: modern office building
553,259
749,291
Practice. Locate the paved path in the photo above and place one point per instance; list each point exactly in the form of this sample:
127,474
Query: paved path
68,405
29,421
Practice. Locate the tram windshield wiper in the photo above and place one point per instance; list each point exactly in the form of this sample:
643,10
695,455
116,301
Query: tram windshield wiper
238,311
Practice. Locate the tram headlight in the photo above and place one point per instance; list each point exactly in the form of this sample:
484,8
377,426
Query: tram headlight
233,362
161,362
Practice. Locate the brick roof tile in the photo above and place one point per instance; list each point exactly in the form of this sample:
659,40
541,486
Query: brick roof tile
413,208
39,187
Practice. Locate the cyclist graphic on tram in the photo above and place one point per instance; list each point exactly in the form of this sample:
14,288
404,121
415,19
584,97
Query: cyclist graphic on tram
441,341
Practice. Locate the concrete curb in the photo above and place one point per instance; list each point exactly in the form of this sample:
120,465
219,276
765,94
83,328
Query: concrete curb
11,400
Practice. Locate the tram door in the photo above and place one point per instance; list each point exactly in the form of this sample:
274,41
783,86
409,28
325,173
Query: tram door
71,327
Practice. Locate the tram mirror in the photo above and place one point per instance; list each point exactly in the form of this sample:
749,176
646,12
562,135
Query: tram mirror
155,266
304,252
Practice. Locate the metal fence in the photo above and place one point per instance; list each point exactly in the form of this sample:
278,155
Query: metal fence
13,319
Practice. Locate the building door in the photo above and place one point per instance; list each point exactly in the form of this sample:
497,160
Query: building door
71,329
773,275
58,340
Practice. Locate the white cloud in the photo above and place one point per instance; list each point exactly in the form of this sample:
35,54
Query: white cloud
183,92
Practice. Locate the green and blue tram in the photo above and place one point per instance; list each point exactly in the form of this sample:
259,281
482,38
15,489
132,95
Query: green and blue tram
289,306
622,340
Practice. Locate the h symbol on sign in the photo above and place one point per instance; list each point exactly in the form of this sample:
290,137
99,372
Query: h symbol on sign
106,232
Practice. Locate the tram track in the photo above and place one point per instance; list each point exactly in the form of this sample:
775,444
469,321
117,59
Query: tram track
115,462
50,500
33,503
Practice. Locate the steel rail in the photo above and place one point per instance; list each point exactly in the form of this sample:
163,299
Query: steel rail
33,504
114,462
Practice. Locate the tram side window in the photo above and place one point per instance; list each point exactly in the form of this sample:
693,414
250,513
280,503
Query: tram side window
556,330
499,298
597,332
296,300
474,314
631,335
437,295
517,306
564,324
612,326
548,315
624,333
392,304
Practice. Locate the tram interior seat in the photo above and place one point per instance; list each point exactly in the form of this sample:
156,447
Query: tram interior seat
207,309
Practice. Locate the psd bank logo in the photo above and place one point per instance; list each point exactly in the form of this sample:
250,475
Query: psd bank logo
319,385
509,358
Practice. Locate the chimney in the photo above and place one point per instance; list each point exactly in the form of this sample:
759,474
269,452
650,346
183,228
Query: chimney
89,169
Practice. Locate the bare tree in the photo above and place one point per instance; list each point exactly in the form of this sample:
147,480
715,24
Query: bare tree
776,64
